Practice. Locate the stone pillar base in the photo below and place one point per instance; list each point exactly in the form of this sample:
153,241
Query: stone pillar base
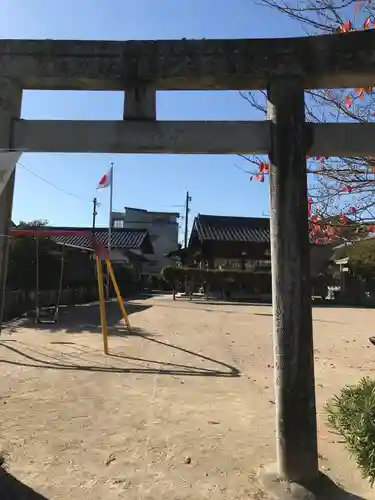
323,488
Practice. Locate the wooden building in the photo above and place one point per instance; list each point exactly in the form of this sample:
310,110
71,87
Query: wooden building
242,243
231,242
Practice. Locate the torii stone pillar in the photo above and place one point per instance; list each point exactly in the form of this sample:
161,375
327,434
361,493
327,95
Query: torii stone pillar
10,110
296,430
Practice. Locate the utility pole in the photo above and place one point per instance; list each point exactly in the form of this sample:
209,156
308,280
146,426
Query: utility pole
94,212
187,210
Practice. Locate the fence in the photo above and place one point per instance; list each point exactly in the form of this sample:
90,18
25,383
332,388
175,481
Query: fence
19,302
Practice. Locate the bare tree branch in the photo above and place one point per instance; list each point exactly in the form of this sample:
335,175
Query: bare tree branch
335,184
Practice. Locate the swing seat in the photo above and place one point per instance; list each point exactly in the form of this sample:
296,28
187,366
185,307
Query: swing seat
46,321
47,316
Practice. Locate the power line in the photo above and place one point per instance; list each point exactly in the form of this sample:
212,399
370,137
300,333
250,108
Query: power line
51,184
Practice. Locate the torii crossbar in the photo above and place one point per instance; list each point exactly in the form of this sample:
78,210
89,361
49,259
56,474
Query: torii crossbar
285,67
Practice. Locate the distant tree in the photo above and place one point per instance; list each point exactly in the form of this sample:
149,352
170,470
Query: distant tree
186,256
344,186
41,223
22,260
361,258
336,228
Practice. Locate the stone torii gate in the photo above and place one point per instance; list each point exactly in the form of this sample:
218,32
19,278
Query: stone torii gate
139,68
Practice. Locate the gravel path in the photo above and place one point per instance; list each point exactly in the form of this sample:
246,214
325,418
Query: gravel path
183,408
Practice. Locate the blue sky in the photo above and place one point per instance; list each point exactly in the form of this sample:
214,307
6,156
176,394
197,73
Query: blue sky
156,182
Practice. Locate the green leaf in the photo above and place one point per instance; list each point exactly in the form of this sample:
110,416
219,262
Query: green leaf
351,414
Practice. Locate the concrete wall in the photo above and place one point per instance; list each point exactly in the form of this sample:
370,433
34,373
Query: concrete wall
162,228
118,257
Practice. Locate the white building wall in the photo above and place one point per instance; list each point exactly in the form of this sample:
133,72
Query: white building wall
162,228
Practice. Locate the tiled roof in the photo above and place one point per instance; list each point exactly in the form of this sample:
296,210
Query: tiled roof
130,239
238,229
234,229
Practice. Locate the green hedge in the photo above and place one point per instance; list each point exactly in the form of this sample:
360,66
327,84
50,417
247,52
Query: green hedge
222,277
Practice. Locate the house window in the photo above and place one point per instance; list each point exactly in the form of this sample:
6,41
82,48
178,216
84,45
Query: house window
119,224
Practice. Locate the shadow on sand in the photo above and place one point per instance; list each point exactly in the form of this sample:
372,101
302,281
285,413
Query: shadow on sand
215,302
323,488
83,318
22,351
314,320
13,489
326,489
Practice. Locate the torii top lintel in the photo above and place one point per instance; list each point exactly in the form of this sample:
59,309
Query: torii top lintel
328,61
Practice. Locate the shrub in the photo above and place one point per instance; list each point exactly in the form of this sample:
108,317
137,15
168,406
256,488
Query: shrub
256,280
361,257
352,416
225,280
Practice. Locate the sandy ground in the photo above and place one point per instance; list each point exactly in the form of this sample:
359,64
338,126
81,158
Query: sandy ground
182,409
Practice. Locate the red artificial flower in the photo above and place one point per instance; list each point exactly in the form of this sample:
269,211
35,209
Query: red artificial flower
363,91
346,27
263,167
367,24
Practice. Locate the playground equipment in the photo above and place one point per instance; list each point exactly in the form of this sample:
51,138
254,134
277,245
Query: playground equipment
38,311
101,253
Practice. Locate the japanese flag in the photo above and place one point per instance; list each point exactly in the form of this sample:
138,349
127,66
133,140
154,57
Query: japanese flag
105,181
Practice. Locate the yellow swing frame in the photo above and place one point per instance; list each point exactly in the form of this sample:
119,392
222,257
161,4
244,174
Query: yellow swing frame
101,253
103,315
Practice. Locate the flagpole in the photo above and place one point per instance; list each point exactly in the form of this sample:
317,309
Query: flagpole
110,223
110,211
